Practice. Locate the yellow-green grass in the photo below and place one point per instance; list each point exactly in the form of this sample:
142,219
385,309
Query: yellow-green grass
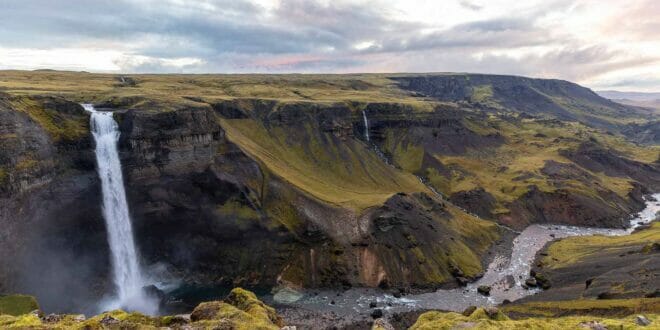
171,91
440,320
60,127
597,307
431,262
241,310
478,234
345,173
568,251
17,304
530,143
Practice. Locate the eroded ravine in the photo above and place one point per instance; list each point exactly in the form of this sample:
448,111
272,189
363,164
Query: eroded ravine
505,275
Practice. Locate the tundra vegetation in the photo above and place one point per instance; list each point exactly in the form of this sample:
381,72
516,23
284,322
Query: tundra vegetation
268,180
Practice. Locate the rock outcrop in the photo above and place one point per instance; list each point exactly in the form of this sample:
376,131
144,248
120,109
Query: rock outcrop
261,192
240,310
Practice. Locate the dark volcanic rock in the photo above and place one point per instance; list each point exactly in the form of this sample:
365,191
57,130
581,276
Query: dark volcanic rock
477,201
604,274
468,311
377,313
50,211
593,156
531,282
439,132
520,94
570,208
484,290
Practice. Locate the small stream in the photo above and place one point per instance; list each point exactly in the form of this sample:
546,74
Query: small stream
505,275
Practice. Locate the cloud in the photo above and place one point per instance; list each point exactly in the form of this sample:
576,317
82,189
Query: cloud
559,39
145,64
470,5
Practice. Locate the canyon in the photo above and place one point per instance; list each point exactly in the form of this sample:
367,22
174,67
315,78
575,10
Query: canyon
398,183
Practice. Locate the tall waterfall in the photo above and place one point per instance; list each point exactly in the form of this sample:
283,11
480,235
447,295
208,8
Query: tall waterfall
366,125
126,271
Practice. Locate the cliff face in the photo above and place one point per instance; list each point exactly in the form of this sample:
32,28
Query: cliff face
215,214
52,241
208,211
259,192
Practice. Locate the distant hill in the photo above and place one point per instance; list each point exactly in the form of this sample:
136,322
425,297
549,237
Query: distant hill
637,99
633,96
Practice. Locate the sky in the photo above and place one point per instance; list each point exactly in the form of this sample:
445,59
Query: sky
612,44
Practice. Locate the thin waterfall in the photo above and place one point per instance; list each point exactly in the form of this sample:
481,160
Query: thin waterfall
126,271
366,125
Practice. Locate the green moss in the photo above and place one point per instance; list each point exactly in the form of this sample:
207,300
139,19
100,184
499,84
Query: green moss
565,252
248,302
24,321
17,304
599,307
404,154
125,320
236,209
4,176
241,310
345,173
479,320
6,320
481,93
60,126
26,164
419,255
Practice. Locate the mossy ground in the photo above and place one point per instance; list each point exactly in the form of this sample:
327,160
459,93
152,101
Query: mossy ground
17,304
241,311
60,126
567,251
345,173
439,320
174,91
594,307
529,142
507,171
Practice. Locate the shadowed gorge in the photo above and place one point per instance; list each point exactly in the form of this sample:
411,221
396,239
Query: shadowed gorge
301,187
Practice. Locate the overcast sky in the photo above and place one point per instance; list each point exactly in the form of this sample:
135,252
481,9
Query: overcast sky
602,44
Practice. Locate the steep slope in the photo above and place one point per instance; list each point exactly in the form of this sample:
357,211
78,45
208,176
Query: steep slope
557,98
602,267
209,212
519,170
269,180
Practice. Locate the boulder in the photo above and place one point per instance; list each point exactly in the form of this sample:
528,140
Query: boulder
484,290
492,312
241,309
642,320
468,311
531,282
462,281
541,280
381,324
108,320
287,295
593,325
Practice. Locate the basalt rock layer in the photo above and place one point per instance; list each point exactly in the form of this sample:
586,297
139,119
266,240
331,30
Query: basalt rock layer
253,190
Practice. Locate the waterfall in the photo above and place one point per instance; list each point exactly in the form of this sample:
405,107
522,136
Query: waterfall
126,271
366,125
